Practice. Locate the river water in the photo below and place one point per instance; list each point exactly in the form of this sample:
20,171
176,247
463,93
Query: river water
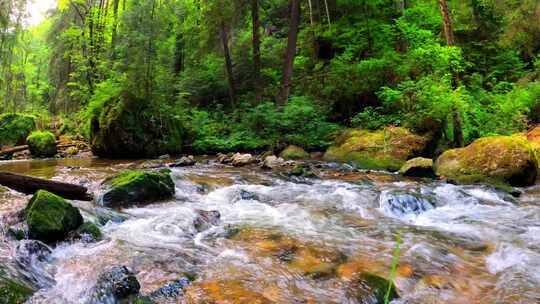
460,244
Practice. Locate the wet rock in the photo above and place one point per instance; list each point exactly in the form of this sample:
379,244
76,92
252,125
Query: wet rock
206,219
247,196
16,233
136,187
240,160
71,151
294,152
403,203
301,170
386,149
372,289
272,162
171,291
105,215
42,144
28,250
493,160
418,167
150,164
51,218
185,161
33,258
224,158
118,283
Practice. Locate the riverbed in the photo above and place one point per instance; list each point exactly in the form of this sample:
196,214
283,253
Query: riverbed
459,244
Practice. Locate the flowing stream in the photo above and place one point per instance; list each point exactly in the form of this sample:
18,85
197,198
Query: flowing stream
460,244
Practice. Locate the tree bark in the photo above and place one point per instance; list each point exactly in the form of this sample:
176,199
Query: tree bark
30,185
116,4
447,22
228,62
288,67
256,50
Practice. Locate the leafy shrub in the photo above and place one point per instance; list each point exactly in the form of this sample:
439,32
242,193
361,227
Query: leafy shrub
15,128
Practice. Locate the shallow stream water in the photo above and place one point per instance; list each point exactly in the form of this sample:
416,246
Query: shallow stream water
460,244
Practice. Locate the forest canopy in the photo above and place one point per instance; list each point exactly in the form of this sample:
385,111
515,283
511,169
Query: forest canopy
219,76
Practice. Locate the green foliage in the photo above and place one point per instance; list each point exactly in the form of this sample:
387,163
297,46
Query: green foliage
42,144
12,292
14,128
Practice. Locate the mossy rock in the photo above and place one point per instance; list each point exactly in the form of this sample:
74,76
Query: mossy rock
125,127
90,229
386,149
418,167
369,286
15,128
50,218
12,292
137,187
294,152
496,160
42,144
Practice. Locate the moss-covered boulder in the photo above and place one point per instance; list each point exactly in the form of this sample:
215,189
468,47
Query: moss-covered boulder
418,167
15,128
124,126
494,160
42,144
137,187
386,149
294,152
13,292
50,218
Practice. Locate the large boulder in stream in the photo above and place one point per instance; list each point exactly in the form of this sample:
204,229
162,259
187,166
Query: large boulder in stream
125,126
51,218
136,187
15,128
496,160
386,149
42,144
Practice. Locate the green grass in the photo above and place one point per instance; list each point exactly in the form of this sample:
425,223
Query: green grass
393,270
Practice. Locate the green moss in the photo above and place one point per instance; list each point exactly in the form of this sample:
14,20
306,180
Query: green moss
138,187
294,152
15,128
496,160
386,149
50,218
12,292
90,229
42,144
378,287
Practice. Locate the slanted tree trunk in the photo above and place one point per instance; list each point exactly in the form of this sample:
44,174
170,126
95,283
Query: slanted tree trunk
447,22
459,141
228,62
30,185
286,81
256,50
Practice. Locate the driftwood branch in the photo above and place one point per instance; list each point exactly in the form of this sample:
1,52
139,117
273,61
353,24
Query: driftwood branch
29,185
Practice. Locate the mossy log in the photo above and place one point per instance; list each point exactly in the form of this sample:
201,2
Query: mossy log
30,185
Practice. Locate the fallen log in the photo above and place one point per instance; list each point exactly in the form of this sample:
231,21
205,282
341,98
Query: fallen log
14,150
29,185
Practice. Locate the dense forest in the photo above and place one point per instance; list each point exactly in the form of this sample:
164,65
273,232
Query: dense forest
206,76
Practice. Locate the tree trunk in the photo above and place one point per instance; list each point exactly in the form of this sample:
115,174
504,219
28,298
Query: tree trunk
447,22
30,185
116,4
228,62
256,49
288,67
